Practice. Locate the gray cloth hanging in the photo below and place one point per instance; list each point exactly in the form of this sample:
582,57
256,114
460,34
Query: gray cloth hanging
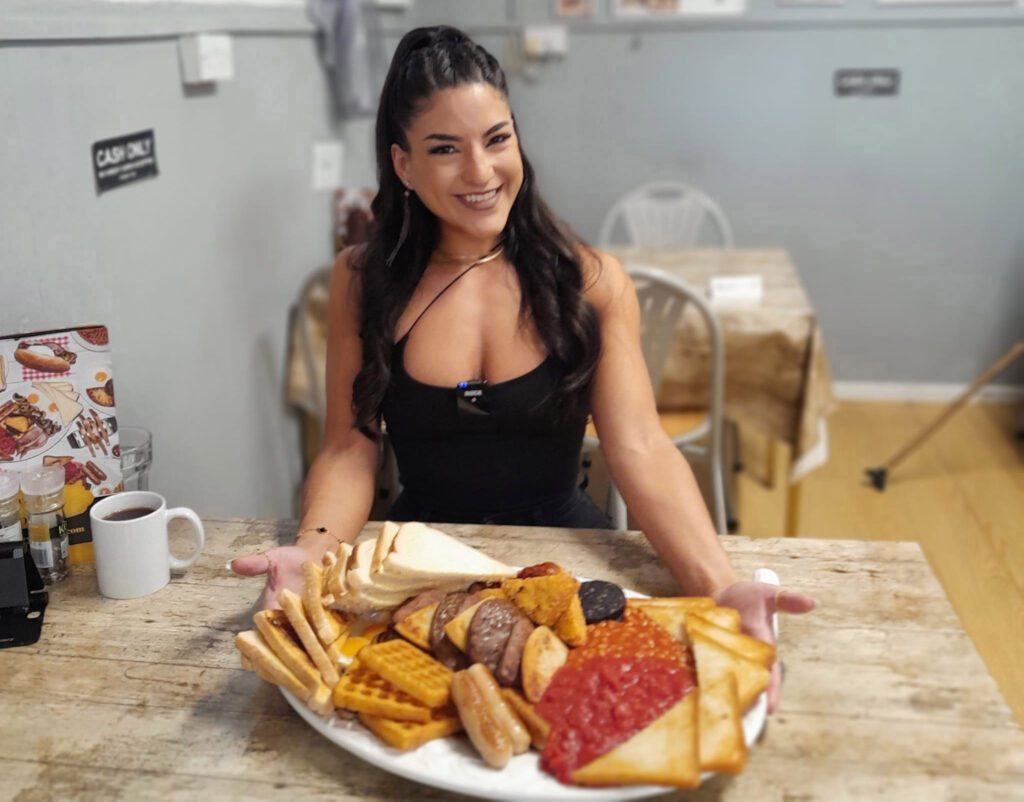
352,53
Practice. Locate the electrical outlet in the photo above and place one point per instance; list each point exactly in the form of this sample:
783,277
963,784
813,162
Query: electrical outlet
327,158
713,8
545,41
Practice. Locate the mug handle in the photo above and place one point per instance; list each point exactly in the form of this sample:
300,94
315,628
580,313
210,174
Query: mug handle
200,536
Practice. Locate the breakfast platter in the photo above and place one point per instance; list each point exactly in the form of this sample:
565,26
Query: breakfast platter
434,662
451,764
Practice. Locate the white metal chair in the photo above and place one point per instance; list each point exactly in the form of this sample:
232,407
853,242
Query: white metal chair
665,214
663,301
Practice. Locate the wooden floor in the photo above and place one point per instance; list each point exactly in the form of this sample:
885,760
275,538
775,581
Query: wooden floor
960,495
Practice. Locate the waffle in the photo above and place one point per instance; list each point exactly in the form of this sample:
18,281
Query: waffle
407,668
408,735
364,691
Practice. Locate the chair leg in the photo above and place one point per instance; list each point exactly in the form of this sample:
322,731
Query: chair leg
616,507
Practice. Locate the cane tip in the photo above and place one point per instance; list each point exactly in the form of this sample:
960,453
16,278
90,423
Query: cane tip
877,477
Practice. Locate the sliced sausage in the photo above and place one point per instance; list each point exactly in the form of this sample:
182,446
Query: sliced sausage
424,599
489,631
512,658
602,601
444,650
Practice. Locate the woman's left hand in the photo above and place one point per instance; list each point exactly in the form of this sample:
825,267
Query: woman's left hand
756,603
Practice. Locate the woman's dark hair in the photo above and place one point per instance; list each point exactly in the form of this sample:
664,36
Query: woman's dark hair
539,246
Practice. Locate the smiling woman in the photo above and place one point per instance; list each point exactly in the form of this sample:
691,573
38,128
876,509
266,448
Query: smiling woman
483,332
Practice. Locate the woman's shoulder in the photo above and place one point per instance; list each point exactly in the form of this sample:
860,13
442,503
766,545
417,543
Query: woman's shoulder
605,280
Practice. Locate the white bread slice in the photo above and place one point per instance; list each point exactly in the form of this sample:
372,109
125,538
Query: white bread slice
362,596
336,584
421,552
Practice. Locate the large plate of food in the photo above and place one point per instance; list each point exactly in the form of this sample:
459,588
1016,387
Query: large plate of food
436,663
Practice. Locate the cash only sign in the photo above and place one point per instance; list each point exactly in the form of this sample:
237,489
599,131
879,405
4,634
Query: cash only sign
124,159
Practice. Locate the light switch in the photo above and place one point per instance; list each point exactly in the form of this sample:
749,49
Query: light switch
327,158
206,57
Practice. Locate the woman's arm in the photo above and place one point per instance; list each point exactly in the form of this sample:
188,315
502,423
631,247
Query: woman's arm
654,478
339,488
652,475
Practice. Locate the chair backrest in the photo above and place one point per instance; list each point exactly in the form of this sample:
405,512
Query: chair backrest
665,214
663,302
311,325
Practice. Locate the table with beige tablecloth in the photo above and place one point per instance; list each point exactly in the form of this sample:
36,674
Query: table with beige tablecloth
776,378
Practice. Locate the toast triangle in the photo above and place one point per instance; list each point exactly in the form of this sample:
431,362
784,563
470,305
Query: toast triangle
665,752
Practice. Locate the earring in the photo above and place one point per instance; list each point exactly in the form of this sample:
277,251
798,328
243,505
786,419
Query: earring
404,230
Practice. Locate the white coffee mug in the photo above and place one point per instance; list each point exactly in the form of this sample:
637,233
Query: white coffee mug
133,556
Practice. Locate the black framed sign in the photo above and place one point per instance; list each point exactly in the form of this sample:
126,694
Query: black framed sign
124,159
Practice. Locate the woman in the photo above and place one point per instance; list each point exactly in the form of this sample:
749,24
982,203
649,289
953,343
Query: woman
484,332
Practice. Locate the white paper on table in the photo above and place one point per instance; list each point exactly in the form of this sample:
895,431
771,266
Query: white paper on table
736,289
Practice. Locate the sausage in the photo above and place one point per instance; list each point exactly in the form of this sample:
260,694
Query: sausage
482,726
446,652
59,361
602,601
517,734
94,472
424,599
489,631
540,569
512,657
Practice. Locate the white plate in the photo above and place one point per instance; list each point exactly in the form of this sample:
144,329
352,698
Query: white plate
452,764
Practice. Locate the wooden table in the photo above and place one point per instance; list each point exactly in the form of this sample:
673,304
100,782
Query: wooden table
885,697
776,375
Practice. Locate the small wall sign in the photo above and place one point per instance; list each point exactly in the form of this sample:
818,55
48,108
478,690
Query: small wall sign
870,83
124,159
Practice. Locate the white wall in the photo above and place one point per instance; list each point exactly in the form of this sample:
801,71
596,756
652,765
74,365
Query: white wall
194,270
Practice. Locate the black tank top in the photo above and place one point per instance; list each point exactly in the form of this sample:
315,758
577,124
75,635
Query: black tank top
474,466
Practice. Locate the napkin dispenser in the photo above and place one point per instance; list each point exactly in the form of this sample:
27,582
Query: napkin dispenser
23,596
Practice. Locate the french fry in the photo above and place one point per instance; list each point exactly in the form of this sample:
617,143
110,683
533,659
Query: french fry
326,623
295,610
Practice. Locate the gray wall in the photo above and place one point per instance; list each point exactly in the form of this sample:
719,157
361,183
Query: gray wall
193,271
903,215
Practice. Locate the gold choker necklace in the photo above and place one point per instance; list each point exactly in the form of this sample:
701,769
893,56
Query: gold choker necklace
493,253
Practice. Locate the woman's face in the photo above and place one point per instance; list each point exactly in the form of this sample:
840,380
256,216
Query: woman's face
464,161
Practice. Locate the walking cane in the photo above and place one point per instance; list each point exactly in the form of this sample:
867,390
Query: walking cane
878,476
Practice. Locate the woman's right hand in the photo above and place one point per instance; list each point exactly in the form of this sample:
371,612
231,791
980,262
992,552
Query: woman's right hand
281,564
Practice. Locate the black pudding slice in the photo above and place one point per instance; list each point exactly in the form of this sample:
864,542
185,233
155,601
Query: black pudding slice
602,601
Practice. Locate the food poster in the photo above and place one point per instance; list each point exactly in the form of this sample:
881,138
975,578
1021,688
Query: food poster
57,408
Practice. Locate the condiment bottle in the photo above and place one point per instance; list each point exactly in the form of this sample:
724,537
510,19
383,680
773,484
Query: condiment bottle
47,528
10,514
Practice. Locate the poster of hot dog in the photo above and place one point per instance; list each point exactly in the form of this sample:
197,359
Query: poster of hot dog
57,408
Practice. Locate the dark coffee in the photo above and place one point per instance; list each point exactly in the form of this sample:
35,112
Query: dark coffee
129,514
